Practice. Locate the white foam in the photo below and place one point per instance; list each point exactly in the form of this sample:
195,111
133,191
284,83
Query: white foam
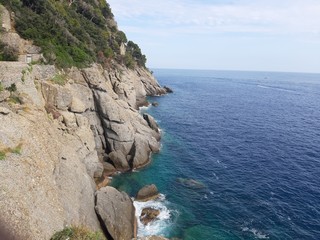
162,222
258,234
144,108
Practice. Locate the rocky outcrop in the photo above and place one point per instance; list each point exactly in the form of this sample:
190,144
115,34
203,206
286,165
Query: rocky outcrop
151,122
117,213
148,192
148,215
64,133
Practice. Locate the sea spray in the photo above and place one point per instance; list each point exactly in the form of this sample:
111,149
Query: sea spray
160,225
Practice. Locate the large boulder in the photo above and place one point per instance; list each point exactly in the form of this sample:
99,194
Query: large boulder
148,192
151,122
119,160
116,212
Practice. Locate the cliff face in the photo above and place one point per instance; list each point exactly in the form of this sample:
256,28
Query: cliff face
55,138
61,132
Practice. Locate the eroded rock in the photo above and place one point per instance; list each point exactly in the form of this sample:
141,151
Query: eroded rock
148,192
117,213
149,215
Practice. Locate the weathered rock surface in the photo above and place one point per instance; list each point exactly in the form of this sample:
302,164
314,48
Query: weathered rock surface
147,192
117,213
4,95
148,215
151,122
63,131
191,183
119,160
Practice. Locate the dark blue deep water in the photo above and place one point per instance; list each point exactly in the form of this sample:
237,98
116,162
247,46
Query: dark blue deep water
240,156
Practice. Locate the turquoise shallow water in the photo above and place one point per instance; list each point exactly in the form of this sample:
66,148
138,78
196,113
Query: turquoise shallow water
251,142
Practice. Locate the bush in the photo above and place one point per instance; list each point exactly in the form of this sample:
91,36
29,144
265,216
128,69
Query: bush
16,150
60,79
77,233
8,53
2,155
69,35
12,88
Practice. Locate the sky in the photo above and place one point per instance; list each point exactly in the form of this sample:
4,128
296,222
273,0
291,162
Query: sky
257,35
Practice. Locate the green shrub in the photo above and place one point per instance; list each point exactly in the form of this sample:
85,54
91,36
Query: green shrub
2,155
69,35
16,150
1,87
15,99
77,233
60,79
8,53
12,88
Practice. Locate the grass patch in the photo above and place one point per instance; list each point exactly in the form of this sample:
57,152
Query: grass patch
1,87
60,79
12,88
14,99
77,233
15,150
2,155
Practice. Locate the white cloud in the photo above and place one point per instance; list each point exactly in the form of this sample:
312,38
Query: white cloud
264,16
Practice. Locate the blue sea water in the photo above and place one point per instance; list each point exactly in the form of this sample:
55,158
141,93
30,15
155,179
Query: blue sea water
240,156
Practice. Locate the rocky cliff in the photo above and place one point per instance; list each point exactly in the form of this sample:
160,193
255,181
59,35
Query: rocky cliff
62,132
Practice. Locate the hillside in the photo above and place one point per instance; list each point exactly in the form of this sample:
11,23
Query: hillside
74,32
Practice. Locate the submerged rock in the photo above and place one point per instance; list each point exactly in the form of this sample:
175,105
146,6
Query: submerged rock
155,104
188,182
147,193
148,215
116,212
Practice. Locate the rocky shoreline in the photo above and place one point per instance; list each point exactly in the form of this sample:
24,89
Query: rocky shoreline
68,135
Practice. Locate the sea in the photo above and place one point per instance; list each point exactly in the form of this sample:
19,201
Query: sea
240,157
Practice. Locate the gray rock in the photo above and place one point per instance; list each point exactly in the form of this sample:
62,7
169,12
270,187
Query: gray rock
151,122
119,160
77,106
4,95
168,90
69,119
141,151
147,192
117,213
155,104
149,215
108,169
4,111
57,96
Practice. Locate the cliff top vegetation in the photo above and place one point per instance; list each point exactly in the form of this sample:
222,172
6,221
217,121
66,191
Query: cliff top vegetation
74,32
